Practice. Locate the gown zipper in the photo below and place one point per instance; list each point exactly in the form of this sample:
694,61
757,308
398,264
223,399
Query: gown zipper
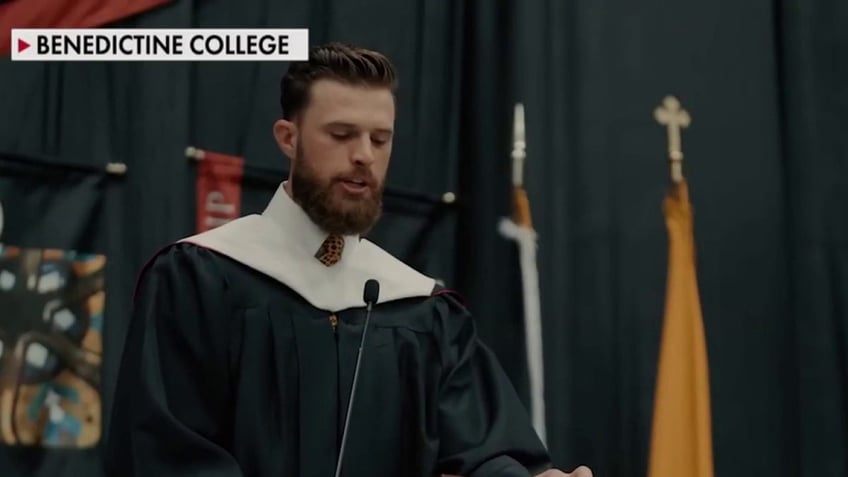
334,324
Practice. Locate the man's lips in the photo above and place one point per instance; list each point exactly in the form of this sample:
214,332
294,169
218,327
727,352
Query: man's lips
357,181
355,185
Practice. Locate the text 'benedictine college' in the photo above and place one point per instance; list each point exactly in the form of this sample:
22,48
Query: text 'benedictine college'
105,44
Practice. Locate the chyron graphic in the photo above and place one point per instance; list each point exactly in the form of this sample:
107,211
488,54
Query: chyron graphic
51,322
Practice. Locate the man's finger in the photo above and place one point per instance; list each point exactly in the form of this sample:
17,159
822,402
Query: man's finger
581,471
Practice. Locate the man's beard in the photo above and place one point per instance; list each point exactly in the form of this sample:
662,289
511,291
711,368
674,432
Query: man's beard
325,206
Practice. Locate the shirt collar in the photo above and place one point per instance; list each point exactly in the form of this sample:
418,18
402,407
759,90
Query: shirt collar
291,217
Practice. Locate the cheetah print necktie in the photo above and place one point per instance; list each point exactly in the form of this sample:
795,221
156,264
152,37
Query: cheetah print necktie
331,250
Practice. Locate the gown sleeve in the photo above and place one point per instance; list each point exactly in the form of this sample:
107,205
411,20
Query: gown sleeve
171,401
484,429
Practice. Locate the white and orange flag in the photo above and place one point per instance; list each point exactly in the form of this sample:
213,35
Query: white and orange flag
520,229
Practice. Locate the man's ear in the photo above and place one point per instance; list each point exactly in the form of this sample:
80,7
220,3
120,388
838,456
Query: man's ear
285,133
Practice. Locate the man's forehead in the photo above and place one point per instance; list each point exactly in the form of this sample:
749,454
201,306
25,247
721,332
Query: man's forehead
335,102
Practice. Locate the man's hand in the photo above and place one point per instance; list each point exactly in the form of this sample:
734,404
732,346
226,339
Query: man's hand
581,471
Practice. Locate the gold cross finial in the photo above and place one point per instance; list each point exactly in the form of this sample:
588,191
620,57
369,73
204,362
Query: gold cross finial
673,117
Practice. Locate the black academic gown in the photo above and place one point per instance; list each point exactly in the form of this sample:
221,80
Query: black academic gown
228,373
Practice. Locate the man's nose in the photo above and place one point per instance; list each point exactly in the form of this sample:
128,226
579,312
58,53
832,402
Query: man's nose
363,151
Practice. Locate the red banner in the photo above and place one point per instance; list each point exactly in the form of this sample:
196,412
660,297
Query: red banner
218,190
65,14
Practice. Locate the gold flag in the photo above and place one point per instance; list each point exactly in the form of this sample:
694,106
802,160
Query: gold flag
681,441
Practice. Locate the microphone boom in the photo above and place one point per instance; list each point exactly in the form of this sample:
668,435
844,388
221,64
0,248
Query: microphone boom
370,295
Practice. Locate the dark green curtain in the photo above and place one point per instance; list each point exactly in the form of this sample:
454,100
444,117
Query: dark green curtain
765,82
813,45
767,86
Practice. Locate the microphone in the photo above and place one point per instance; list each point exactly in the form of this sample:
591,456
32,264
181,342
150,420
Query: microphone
369,295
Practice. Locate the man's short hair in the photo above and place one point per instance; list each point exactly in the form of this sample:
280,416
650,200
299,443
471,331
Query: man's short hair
337,61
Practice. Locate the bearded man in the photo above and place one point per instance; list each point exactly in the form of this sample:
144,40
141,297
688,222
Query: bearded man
244,339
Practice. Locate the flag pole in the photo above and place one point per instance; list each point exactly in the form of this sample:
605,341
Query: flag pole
520,229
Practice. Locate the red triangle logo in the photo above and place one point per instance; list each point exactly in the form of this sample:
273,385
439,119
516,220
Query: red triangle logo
22,45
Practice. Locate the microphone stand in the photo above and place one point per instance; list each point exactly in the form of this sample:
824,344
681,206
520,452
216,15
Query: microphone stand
372,288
